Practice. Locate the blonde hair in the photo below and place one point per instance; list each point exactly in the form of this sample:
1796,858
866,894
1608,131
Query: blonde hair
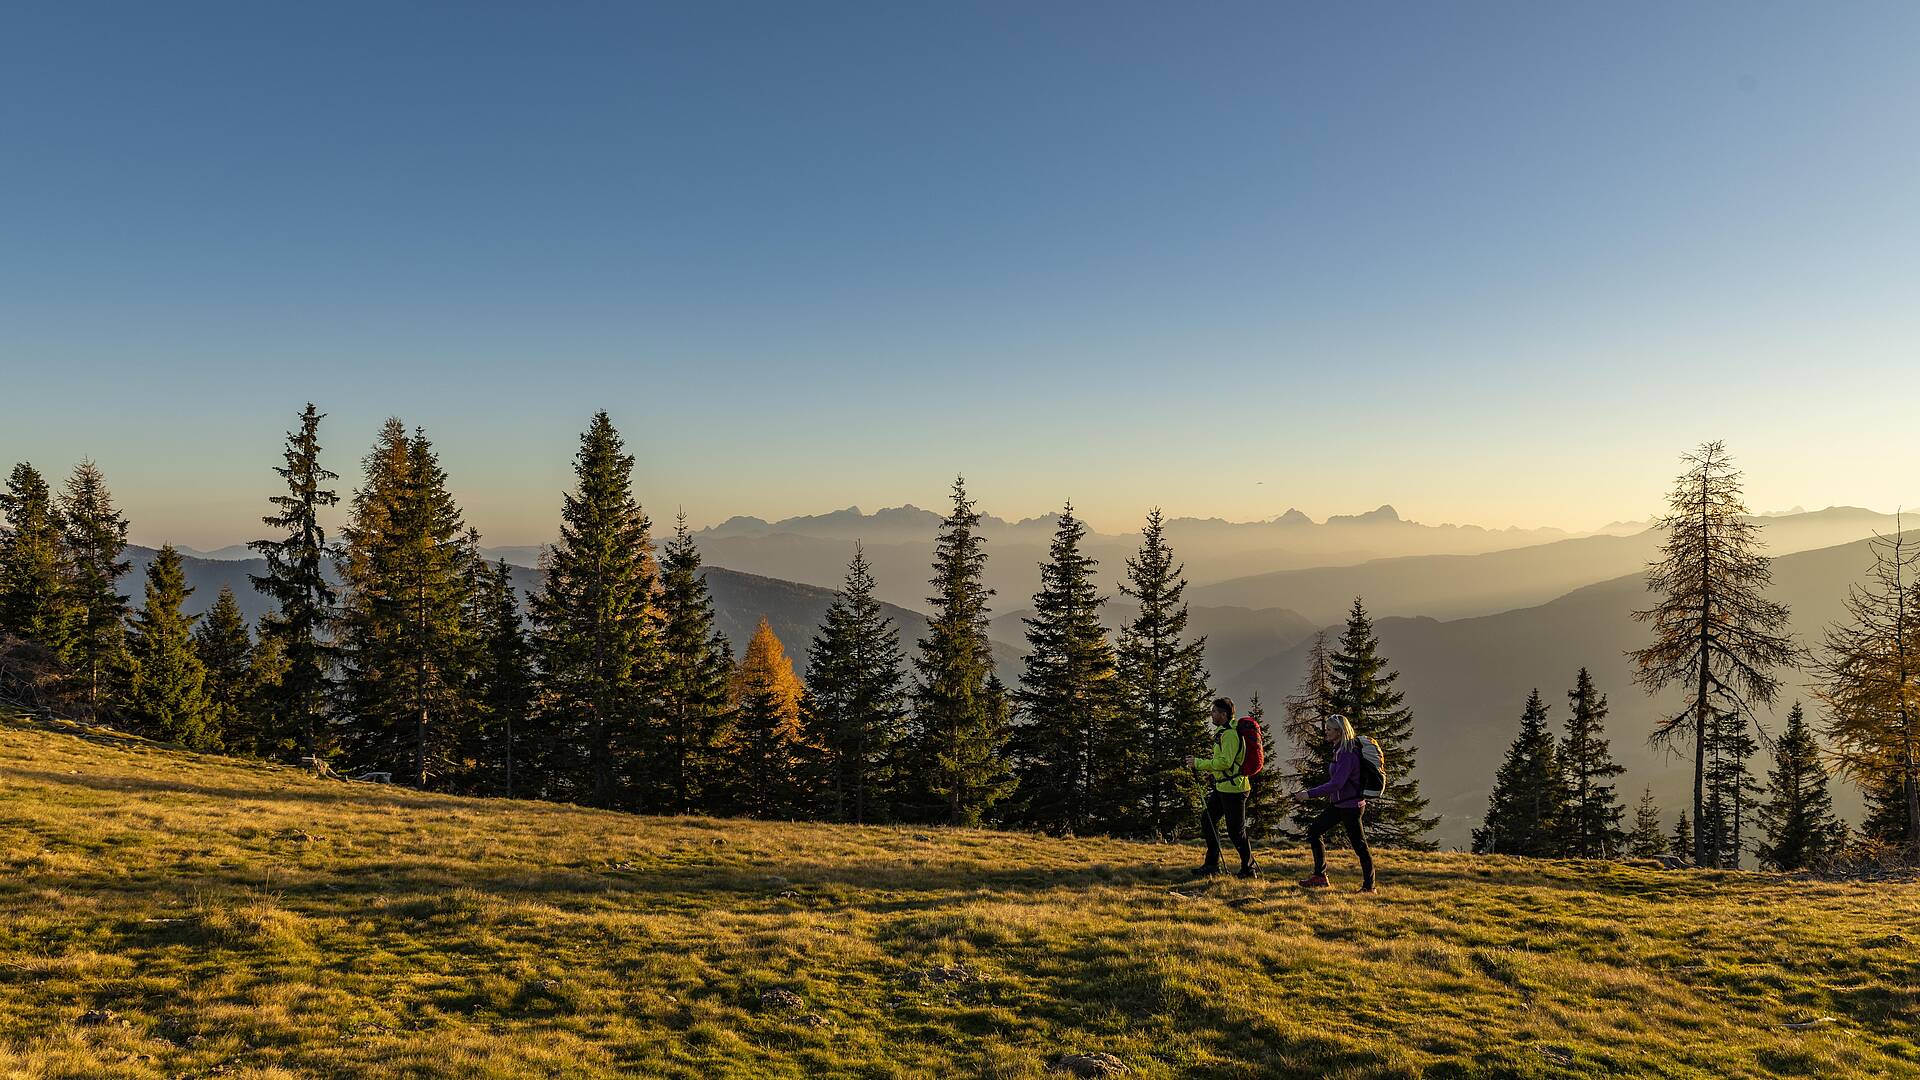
1336,722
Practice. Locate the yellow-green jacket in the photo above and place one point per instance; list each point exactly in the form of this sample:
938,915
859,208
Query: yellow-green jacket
1224,765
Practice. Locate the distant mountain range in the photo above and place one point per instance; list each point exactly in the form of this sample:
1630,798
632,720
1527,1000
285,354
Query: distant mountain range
1459,586
899,543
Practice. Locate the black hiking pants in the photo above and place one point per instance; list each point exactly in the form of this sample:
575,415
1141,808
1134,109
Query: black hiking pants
1340,815
1232,806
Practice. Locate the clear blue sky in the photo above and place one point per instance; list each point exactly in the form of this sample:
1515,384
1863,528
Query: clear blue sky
1477,260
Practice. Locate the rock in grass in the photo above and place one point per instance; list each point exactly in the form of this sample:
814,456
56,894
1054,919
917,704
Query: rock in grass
777,998
948,973
1095,1064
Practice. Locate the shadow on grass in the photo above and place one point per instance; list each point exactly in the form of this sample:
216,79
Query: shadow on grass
343,793
910,886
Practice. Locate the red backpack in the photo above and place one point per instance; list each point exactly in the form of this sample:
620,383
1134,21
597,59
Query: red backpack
1253,747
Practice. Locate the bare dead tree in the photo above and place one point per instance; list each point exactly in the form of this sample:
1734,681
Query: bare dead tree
1715,632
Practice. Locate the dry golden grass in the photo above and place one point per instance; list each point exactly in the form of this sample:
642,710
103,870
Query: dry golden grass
248,921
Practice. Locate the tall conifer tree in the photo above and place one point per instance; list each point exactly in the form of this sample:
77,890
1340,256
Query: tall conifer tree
301,624
1593,815
225,648
166,696
1364,693
1683,837
856,699
1525,812
597,627
1164,694
696,668
1801,829
402,632
1067,697
960,715
1715,632
96,540
35,603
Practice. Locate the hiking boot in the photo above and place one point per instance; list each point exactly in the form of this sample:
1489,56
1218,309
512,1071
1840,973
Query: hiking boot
1314,881
1204,871
1247,873
1368,887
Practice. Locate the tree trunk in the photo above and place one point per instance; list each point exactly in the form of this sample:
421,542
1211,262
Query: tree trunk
1700,696
1700,767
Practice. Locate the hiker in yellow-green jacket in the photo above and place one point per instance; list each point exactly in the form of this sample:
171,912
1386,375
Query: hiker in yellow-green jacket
1227,792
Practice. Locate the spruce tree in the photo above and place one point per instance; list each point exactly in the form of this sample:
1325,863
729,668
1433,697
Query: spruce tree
1715,632
960,714
1593,816
403,640
1647,837
597,628
696,668
95,540
856,699
1310,758
1164,694
1801,829
1067,699
1870,683
1683,837
766,755
1363,692
166,695
225,648
502,689
1530,795
301,623
35,603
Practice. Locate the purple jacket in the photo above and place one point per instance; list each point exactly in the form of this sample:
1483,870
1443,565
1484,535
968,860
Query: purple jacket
1342,781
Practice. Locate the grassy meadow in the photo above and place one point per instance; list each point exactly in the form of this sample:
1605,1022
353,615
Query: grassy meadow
165,914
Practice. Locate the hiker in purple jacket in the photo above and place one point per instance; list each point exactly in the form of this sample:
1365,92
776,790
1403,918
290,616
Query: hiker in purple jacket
1342,789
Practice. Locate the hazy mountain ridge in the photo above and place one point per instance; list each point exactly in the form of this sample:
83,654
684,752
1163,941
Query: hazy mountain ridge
1462,586
854,523
899,542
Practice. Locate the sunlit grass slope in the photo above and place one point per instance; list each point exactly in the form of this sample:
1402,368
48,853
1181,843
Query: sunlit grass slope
163,914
